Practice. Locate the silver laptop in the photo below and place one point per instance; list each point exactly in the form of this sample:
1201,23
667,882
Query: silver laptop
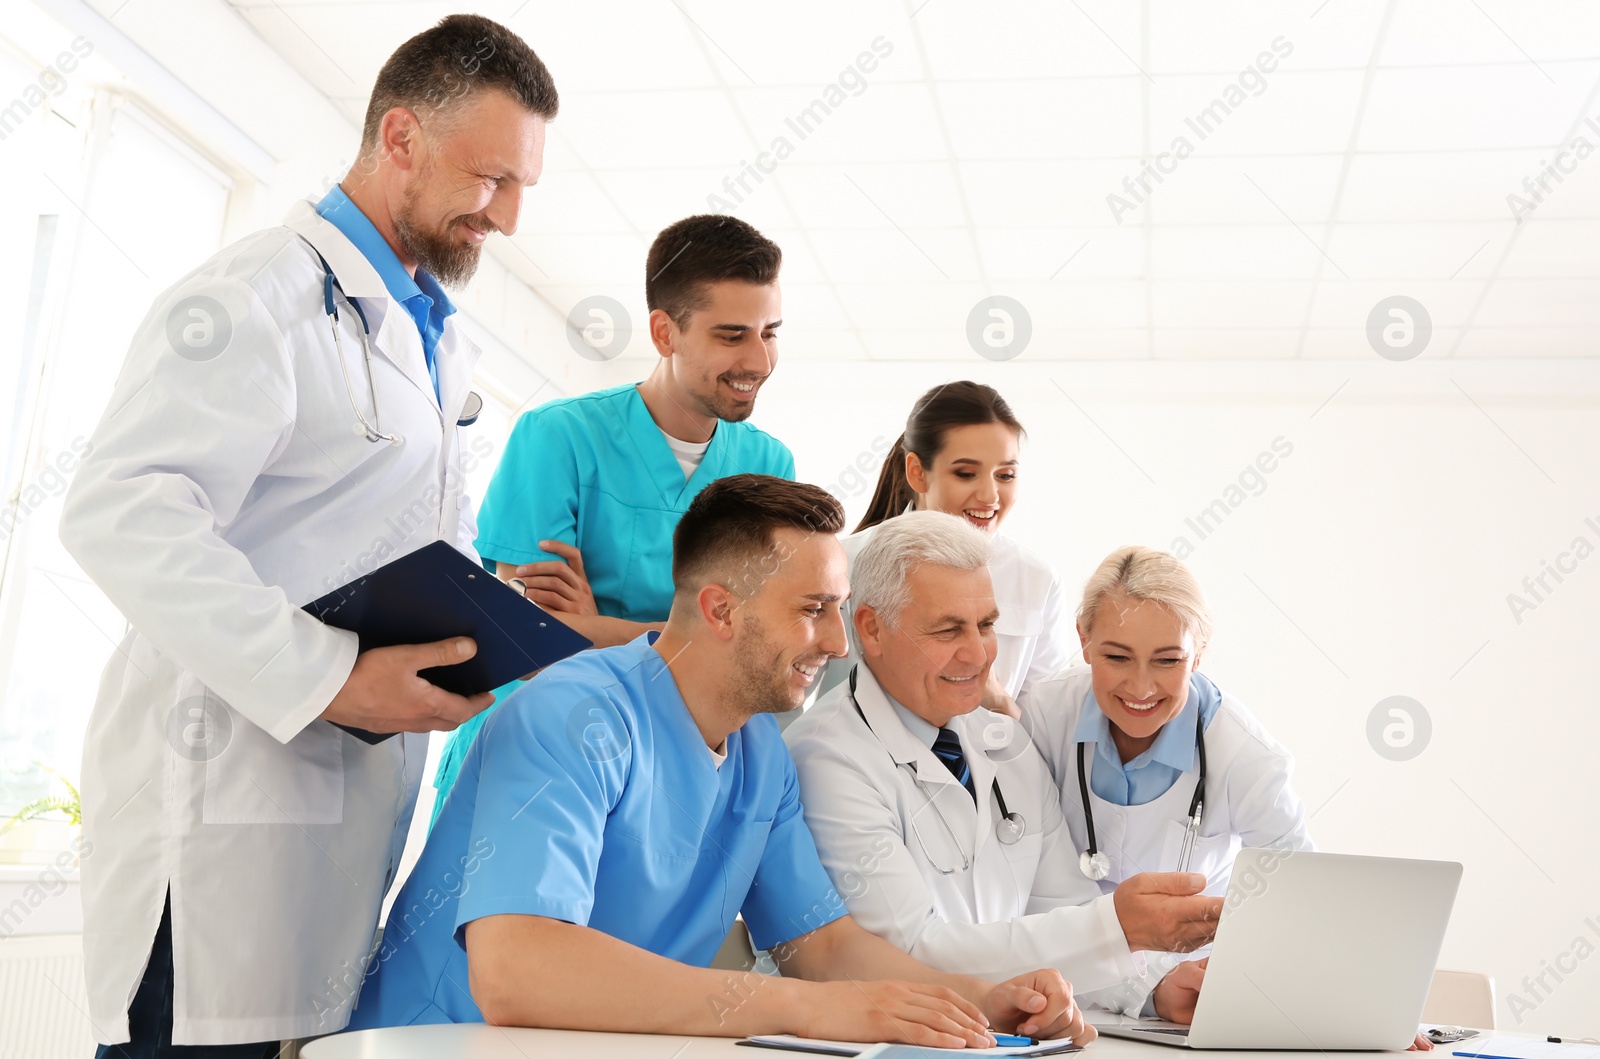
1315,951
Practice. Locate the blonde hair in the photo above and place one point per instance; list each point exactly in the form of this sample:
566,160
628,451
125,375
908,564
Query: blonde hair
1150,576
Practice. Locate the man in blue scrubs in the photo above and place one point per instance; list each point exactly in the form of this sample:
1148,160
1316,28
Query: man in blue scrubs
583,502
630,801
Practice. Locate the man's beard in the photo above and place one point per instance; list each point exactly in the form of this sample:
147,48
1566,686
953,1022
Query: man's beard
755,687
724,408
447,260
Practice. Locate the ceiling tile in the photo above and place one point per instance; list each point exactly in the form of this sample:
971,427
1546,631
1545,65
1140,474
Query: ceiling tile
1285,112
1077,118
1221,303
874,195
1062,254
1452,108
1224,37
1029,39
1233,252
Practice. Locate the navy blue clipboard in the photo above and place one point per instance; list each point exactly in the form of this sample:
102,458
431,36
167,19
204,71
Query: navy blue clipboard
435,593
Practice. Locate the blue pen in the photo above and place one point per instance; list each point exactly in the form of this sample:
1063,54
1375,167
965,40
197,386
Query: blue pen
1006,1040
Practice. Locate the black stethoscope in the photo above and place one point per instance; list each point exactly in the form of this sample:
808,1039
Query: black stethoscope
373,431
1009,829
1097,865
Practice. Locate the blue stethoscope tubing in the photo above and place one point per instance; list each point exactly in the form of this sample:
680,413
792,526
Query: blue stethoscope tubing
372,431
1095,864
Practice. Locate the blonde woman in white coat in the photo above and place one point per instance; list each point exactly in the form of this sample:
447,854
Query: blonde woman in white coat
1138,721
1128,735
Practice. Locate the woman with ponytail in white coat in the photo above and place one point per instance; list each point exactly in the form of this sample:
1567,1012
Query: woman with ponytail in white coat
960,455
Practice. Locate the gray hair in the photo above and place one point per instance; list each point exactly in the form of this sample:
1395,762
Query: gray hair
901,544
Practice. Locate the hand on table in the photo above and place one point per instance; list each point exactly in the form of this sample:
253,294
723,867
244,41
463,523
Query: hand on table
1037,1004
907,1012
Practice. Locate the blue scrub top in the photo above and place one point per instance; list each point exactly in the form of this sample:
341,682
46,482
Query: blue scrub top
593,799
595,472
1150,774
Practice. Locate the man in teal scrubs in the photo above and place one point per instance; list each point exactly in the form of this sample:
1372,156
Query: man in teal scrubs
629,802
583,503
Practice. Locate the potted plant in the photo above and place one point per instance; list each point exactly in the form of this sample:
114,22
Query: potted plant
39,831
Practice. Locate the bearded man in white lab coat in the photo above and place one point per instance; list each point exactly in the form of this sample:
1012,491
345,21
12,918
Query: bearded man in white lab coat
246,465
940,823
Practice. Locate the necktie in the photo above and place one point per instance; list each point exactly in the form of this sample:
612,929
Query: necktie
947,748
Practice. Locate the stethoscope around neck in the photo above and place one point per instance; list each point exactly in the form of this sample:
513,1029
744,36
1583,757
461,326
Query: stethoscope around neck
371,429
1009,829
1095,864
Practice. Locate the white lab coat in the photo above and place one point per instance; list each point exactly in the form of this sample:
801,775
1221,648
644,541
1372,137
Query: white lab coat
1248,798
220,495
1034,634
877,801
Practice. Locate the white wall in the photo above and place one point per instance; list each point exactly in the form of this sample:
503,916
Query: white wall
1375,562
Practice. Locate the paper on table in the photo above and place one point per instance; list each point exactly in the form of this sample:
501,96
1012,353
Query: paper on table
818,1046
1504,1047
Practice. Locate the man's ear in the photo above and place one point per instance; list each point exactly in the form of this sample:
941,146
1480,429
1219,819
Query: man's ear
400,138
717,607
663,332
869,630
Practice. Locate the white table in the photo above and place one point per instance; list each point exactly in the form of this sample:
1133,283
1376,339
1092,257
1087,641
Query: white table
479,1041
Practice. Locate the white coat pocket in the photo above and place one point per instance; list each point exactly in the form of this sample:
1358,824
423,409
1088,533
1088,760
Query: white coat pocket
255,779
1022,858
1213,854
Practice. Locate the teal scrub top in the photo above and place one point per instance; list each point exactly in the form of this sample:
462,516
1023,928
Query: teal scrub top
595,472
593,799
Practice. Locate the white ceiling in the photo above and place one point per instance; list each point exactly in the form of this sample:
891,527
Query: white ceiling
978,160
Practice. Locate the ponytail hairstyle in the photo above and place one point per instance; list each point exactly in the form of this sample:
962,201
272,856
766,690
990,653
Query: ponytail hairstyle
941,409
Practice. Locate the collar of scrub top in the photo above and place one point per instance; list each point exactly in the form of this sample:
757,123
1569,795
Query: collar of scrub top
420,296
357,278
650,445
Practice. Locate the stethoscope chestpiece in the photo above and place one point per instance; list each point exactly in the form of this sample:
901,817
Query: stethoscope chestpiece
471,410
1010,828
1095,865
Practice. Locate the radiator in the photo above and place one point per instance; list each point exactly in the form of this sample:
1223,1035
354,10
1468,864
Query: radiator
43,1009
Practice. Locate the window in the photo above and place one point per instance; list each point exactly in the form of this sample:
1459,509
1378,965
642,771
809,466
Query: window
111,209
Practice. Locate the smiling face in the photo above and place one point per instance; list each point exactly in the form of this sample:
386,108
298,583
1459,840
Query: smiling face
935,659
464,180
1141,656
718,361
791,624
974,476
